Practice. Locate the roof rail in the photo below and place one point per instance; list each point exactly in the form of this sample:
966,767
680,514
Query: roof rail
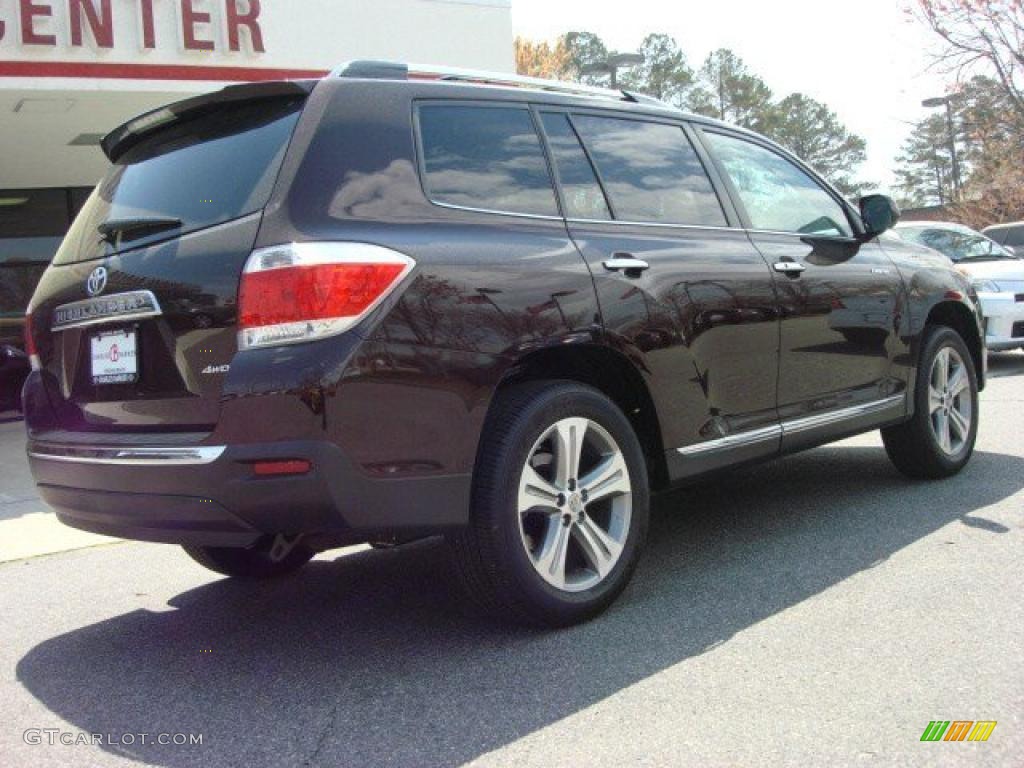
390,70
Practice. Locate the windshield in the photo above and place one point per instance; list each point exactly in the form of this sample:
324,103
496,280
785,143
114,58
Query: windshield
959,245
201,171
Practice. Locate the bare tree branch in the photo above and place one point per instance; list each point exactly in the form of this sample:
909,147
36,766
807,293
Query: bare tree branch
978,34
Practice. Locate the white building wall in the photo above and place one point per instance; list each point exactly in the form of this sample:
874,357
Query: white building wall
61,78
296,34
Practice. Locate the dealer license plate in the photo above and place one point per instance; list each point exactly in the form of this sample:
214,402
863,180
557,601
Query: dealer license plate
115,358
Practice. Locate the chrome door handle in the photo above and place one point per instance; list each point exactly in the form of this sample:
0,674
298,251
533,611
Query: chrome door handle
792,268
624,262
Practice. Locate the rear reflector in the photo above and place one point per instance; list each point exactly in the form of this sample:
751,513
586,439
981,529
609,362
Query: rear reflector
278,468
306,291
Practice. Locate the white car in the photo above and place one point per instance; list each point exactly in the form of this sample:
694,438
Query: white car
997,275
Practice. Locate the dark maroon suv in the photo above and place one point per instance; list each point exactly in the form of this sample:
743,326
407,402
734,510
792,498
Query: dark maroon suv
391,304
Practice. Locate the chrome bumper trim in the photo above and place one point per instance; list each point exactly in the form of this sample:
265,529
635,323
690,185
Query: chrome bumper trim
130,457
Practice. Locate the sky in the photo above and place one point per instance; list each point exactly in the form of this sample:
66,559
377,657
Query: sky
867,60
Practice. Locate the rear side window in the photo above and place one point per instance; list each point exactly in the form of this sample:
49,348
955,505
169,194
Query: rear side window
999,235
650,171
205,170
1014,236
487,158
777,194
581,190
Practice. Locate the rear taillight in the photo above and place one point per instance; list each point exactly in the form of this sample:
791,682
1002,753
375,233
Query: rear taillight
30,345
306,291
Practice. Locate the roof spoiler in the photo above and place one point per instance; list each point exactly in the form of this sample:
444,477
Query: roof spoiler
121,139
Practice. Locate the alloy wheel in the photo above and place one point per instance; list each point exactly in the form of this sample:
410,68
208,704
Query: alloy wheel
575,504
950,401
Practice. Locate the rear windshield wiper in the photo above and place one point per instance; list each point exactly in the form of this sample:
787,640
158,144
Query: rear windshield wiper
133,229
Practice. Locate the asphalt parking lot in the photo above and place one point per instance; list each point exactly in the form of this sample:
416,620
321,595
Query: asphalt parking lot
820,610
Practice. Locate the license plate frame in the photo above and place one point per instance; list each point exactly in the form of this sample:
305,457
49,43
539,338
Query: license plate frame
114,357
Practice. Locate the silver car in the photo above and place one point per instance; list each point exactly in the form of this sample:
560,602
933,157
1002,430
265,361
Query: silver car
997,275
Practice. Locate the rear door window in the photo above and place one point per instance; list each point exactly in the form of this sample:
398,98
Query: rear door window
581,191
204,170
651,172
485,158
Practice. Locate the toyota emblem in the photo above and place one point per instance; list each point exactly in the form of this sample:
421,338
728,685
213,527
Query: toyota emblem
97,281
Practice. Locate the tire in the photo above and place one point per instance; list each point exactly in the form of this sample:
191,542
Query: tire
257,562
507,557
915,446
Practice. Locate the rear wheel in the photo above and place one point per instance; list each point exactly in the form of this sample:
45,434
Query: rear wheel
560,506
939,440
271,557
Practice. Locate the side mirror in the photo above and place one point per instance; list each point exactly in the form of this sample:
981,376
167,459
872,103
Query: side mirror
880,214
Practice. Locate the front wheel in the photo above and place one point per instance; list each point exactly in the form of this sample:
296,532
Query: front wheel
269,558
560,505
939,440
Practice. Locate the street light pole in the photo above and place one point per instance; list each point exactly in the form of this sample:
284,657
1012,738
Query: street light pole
947,102
957,182
612,65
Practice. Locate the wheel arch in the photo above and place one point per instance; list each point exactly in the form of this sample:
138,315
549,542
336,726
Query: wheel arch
611,373
956,315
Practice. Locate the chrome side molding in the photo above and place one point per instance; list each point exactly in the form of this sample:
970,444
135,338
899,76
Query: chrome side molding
116,308
833,417
793,426
120,456
739,440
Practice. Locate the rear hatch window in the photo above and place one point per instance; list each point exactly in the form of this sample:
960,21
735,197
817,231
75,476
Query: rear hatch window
198,172
174,221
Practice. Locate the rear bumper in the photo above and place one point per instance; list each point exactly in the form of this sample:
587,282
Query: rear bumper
210,495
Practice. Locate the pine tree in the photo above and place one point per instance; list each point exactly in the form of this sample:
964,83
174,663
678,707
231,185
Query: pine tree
813,132
665,73
925,167
727,90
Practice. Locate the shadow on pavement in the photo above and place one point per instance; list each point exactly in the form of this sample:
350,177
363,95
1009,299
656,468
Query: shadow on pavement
372,659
